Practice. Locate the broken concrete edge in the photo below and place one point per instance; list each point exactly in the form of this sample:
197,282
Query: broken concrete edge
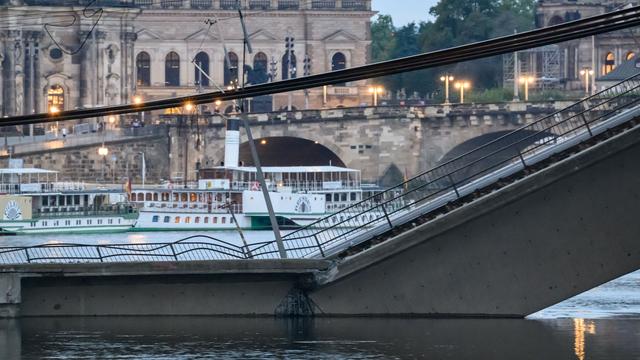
483,205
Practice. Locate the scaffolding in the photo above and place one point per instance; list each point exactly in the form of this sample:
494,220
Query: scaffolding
543,63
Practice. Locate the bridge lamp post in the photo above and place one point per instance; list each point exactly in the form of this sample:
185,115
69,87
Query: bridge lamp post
462,85
446,79
375,90
587,73
526,80
103,151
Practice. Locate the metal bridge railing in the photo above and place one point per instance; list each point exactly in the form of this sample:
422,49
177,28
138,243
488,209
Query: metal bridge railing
465,174
378,214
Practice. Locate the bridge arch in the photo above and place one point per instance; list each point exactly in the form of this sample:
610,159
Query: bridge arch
491,155
290,151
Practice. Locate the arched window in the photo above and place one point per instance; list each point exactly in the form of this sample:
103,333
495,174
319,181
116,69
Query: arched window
231,74
260,62
338,62
609,63
143,69
556,20
55,98
202,60
631,55
172,69
286,70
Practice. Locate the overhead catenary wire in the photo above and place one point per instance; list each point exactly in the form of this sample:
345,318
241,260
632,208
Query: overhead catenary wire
613,21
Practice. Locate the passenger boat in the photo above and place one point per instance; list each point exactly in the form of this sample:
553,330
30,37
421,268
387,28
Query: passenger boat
33,201
229,197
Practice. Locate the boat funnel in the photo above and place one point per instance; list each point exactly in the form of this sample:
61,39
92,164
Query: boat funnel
232,143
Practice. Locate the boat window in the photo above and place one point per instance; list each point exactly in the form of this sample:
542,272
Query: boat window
353,196
193,197
206,220
224,220
44,223
78,222
69,199
187,219
336,197
215,219
197,221
45,201
166,219
88,222
148,197
177,220
183,197
231,220
140,197
76,199
110,221
176,196
155,196
155,218
62,202
343,197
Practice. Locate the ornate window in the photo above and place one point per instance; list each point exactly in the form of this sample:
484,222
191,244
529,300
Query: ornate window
202,60
609,63
143,69
286,69
260,62
231,70
172,69
55,98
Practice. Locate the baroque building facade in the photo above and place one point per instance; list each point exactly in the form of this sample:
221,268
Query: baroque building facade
567,65
69,54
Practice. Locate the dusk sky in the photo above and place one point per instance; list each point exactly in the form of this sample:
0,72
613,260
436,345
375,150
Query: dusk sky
404,11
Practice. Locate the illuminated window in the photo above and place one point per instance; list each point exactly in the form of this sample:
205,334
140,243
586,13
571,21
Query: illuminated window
187,220
177,221
609,63
631,55
231,74
259,68
202,59
55,98
172,69
193,197
292,69
143,69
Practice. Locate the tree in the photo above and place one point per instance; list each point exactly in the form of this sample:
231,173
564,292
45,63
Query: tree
456,22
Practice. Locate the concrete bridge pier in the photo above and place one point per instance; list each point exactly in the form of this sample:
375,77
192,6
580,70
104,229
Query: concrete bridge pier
10,295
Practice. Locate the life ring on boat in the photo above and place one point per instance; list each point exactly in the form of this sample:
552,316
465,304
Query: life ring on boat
255,186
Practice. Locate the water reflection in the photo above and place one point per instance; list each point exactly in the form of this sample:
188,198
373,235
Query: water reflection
240,338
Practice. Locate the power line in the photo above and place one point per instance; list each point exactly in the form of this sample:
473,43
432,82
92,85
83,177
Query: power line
617,20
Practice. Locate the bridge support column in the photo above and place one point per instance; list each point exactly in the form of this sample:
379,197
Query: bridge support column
10,298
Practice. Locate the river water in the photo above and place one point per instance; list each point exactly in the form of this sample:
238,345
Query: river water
603,323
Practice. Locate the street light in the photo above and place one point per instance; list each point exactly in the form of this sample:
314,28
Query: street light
446,79
137,100
462,85
103,151
587,73
526,80
53,110
376,90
